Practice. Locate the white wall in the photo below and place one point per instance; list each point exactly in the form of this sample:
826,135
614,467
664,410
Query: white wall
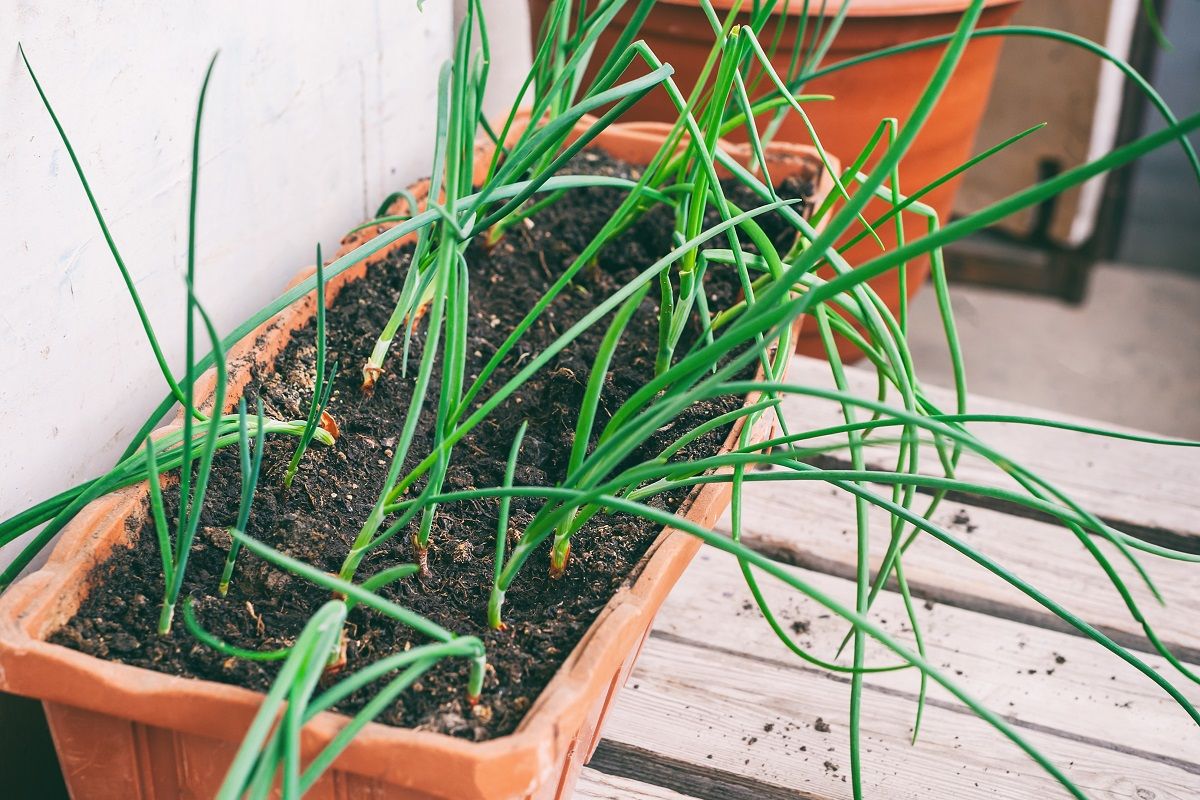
509,37
316,111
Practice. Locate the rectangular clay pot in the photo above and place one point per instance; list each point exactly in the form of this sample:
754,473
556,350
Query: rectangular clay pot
127,732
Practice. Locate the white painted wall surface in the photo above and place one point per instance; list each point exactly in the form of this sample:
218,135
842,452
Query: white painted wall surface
509,36
316,111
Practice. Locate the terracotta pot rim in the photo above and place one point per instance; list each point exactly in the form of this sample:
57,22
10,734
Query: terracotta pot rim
866,8
40,602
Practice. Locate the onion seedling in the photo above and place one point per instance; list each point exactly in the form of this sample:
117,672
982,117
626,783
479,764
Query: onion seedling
250,469
583,428
318,415
191,497
496,598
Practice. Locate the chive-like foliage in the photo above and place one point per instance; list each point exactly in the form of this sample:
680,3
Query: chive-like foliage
753,74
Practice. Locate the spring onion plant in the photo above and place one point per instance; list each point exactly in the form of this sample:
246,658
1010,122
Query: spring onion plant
607,469
496,598
250,467
318,415
191,494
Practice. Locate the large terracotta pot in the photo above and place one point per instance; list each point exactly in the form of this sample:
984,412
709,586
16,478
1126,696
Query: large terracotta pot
679,34
124,732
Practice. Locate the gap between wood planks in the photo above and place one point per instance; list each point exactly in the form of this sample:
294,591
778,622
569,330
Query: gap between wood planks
1151,489
1163,537
795,557
809,525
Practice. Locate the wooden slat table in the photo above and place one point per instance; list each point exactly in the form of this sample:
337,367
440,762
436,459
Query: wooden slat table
718,708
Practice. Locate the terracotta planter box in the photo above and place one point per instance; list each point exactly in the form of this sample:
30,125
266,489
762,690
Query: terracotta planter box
679,34
125,732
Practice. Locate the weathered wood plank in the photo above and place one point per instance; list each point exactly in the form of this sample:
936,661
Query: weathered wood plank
781,733
1039,679
1146,489
596,785
718,708
811,524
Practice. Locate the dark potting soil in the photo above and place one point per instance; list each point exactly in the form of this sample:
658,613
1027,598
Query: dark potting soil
317,520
